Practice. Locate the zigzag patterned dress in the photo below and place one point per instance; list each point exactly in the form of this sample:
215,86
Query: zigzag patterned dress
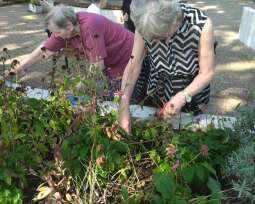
174,62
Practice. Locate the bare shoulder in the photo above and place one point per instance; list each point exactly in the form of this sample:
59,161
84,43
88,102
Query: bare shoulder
208,27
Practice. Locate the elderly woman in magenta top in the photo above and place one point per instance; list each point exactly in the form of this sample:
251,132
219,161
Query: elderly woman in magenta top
178,40
92,37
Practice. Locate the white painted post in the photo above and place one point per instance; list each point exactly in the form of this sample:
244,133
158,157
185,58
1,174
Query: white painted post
247,27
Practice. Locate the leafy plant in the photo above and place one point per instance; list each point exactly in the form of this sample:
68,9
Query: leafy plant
35,2
80,156
245,125
241,166
10,195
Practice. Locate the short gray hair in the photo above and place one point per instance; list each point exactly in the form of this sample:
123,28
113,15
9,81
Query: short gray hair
153,18
59,15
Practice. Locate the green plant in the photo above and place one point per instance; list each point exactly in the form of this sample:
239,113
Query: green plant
35,2
245,125
10,195
241,166
80,156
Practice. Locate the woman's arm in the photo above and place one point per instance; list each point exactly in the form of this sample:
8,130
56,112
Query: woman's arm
33,58
205,75
129,79
133,68
206,61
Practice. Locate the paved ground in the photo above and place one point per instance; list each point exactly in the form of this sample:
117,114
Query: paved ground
235,62
21,31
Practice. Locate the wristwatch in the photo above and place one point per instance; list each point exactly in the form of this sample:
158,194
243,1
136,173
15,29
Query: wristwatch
188,98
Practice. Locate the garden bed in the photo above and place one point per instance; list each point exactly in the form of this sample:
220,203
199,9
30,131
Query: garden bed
52,152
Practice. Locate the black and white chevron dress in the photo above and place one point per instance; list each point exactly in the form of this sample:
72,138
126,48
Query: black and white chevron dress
174,62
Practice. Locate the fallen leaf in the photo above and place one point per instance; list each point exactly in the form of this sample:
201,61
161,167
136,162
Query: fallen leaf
100,161
43,193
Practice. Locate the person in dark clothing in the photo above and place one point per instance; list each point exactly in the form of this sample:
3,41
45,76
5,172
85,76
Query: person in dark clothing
128,23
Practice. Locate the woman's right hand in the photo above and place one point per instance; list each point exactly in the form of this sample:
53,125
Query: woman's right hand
125,17
129,79
124,118
16,70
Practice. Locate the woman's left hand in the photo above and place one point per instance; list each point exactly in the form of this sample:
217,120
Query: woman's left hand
175,105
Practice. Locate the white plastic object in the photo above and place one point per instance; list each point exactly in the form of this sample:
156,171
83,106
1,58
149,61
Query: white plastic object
247,27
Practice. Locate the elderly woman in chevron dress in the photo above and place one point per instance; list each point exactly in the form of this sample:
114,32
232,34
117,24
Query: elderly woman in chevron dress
178,40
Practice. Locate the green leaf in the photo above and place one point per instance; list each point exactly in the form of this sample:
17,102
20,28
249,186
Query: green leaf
1,114
19,136
154,156
84,153
188,174
200,173
8,180
119,147
213,185
201,200
124,193
165,184
157,199
176,139
164,167
138,157
179,200
209,168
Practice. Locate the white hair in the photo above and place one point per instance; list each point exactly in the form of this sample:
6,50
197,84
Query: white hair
153,18
60,15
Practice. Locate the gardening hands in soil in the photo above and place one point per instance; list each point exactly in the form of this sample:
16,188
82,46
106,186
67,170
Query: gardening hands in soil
173,106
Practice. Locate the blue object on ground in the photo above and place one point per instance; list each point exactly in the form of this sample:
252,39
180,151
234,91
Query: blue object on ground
75,100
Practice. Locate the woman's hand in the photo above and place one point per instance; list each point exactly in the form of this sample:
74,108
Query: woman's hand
174,106
124,118
16,70
130,76
125,17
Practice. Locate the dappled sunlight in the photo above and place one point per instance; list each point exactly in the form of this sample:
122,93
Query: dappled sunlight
3,36
200,2
225,105
30,17
25,32
13,11
211,7
17,6
3,23
228,37
29,43
13,27
12,46
221,12
236,49
21,24
18,57
222,27
237,66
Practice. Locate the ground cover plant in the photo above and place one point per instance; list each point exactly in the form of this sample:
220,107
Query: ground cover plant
52,152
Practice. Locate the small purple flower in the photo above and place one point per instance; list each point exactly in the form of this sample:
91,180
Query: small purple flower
204,150
176,166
